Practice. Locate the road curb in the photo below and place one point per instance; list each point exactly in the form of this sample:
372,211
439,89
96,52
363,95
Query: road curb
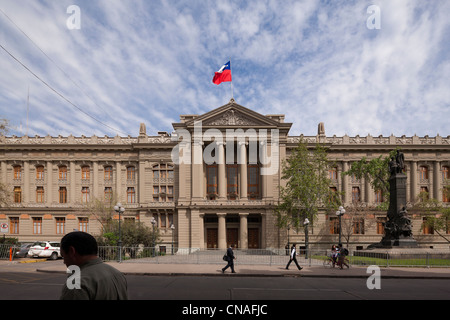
32,261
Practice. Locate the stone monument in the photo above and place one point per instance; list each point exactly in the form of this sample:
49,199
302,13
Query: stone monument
398,228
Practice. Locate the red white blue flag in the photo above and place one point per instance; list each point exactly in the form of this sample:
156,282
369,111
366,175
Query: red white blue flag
223,75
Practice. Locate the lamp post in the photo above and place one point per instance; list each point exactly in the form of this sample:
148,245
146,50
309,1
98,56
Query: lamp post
153,222
339,213
306,223
119,209
173,229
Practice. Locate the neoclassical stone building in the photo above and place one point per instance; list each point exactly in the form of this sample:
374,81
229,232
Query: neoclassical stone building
215,180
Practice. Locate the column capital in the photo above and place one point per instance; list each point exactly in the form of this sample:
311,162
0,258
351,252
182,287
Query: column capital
243,214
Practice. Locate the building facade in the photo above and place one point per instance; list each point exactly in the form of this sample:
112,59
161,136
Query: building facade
213,182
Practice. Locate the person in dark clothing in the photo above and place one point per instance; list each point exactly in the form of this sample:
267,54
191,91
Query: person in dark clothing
293,258
231,257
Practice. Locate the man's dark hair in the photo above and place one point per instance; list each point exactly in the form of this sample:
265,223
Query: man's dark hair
83,242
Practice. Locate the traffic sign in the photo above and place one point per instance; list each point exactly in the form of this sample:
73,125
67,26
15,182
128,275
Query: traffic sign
4,227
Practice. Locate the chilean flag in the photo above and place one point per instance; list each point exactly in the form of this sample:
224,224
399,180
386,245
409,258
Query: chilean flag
223,75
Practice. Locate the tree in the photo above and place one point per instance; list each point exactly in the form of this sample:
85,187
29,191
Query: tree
356,219
307,188
376,171
437,214
132,233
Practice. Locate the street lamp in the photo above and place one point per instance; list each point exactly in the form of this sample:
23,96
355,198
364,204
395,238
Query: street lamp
339,213
153,222
119,209
173,229
306,223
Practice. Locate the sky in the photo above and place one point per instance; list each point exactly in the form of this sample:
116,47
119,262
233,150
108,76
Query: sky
102,67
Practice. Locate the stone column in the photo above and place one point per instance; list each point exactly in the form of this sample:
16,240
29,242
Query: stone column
221,167
49,191
345,183
95,179
437,192
118,181
243,169
201,226
26,180
243,231
72,191
198,190
222,232
413,186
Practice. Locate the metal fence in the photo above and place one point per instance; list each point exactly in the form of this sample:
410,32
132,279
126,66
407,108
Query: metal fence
411,258
5,251
389,258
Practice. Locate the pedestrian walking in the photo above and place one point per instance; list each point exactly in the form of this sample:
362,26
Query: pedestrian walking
230,257
343,252
98,280
293,258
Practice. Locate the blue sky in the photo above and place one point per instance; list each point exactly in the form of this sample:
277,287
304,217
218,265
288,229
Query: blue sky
150,61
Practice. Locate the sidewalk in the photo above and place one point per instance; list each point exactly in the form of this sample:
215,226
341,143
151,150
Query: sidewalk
152,269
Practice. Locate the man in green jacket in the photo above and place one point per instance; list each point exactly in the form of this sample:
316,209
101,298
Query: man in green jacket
93,279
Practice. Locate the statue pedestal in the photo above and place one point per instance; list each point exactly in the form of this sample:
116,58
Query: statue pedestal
398,229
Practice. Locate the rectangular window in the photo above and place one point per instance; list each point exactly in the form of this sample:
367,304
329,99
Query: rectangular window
427,229
356,195
83,224
163,220
85,194
131,173
358,226
37,225
211,174
253,181
232,181
381,221
14,225
60,225
40,195
108,194
17,172
17,194
63,173
332,174
379,196
85,173
108,173
423,171
40,172
62,195
334,225
131,195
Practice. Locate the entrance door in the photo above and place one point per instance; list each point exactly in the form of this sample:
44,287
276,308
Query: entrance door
232,237
253,238
211,238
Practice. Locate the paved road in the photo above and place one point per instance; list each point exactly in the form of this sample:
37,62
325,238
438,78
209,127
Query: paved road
25,283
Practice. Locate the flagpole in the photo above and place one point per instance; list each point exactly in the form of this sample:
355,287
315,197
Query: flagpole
231,82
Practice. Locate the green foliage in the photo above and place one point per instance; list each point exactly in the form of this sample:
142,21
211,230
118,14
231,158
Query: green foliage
133,234
376,171
307,188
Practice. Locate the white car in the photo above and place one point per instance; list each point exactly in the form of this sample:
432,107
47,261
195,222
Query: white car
45,249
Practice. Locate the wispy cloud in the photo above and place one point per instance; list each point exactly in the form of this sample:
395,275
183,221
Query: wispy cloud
150,61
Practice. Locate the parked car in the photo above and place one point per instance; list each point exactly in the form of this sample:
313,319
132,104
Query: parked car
45,249
22,252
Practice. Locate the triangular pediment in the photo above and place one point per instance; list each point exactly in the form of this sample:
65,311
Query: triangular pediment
234,115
